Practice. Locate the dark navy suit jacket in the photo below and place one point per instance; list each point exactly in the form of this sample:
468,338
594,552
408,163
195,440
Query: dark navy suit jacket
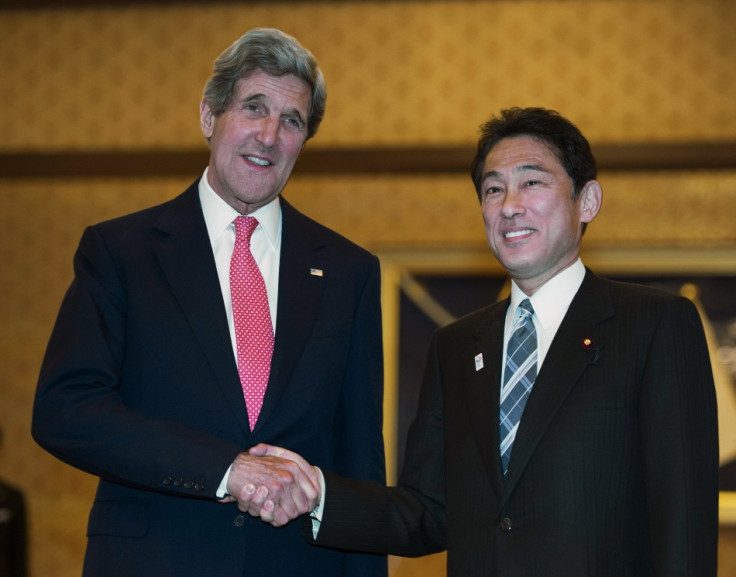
139,386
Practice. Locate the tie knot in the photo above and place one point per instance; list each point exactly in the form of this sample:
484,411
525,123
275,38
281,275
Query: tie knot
526,307
525,312
244,227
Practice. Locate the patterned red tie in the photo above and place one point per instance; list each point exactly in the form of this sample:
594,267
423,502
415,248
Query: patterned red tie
252,318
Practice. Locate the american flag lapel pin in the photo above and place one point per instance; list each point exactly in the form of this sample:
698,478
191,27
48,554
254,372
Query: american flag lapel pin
478,361
316,272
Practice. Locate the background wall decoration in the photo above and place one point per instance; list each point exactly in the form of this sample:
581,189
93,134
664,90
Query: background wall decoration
99,117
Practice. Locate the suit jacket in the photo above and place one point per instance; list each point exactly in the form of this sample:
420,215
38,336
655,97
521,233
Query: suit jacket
140,387
13,533
614,468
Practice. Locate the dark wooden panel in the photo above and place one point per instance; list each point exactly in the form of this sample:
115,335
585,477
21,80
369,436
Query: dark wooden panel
402,160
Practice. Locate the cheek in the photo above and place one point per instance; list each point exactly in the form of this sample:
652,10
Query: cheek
490,224
219,141
488,213
294,147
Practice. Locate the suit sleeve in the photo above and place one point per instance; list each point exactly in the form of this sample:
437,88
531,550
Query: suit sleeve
407,520
80,414
359,451
680,447
359,448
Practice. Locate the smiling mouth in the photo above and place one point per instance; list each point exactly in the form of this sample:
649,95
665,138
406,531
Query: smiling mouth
258,161
518,233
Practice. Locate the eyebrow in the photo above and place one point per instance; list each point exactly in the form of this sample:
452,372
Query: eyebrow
518,169
260,97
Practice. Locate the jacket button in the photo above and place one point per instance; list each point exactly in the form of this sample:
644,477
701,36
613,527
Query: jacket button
188,484
166,480
177,482
239,521
504,525
198,486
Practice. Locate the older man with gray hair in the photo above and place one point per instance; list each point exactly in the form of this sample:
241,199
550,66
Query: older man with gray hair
220,319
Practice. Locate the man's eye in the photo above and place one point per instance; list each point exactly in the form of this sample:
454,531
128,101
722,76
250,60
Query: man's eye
293,123
493,190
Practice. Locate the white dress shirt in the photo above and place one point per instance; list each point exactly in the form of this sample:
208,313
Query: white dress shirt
550,304
265,245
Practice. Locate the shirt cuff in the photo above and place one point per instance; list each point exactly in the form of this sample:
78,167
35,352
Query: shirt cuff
316,514
222,489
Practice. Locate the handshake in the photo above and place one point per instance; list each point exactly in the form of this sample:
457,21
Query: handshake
274,484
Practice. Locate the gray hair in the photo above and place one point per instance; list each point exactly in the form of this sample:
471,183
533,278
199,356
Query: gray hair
275,53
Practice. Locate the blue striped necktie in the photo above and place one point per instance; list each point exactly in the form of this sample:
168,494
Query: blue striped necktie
519,376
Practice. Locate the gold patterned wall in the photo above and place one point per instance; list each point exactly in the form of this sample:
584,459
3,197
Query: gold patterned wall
399,74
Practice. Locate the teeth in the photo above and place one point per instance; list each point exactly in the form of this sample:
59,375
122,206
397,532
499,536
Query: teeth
260,161
518,233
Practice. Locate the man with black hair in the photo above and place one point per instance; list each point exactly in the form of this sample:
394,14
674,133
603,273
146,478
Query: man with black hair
569,430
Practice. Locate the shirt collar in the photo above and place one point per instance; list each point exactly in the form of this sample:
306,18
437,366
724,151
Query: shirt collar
553,298
218,215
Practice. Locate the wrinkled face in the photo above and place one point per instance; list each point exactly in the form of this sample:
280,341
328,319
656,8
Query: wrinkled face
533,225
256,141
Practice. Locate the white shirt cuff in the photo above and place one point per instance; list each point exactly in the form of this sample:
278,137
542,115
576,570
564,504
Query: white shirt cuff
222,489
316,514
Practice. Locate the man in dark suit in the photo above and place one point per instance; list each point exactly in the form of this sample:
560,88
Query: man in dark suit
612,469
13,533
147,382
13,530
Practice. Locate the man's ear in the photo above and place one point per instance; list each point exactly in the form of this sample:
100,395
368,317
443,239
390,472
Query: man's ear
206,119
591,198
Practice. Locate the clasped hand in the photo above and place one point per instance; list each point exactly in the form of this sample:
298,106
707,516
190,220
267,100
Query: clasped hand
274,484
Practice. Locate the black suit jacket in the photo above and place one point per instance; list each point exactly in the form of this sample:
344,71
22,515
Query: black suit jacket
13,532
613,471
140,387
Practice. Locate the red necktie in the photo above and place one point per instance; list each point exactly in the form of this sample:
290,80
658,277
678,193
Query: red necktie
252,318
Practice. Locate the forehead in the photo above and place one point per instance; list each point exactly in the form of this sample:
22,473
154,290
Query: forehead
288,91
521,152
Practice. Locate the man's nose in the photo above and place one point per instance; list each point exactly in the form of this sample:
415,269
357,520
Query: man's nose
268,134
512,203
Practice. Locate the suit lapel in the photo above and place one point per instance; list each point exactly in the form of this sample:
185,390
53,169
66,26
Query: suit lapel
185,255
568,357
300,293
484,390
